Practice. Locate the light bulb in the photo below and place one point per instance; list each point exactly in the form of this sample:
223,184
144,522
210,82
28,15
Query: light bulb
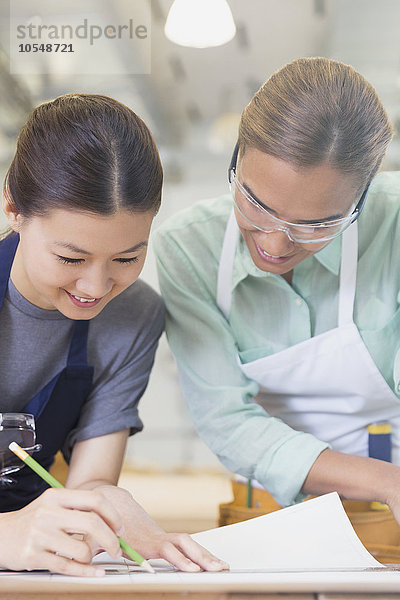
200,23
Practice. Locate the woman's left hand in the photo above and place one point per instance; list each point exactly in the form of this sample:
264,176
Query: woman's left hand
151,541
181,551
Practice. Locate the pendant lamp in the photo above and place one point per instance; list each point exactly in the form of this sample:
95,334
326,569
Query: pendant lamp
200,23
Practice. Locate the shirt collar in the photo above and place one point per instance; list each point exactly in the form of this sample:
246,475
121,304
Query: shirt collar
329,257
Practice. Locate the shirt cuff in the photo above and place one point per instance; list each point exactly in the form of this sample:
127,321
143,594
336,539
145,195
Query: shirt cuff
283,476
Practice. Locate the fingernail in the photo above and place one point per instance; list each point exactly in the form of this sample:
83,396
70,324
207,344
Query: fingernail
220,564
100,572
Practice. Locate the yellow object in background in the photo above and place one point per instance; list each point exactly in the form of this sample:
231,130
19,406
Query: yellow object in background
379,428
379,506
59,468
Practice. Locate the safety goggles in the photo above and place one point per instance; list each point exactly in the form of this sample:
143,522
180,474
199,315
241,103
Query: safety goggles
262,219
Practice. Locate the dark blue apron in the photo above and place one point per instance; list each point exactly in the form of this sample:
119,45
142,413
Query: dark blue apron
56,407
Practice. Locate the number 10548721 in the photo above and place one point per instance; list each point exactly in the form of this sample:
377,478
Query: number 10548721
45,48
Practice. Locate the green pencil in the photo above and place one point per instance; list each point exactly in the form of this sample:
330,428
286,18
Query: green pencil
52,481
249,494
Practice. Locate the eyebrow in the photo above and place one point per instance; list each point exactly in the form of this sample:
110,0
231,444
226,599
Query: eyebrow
74,248
299,221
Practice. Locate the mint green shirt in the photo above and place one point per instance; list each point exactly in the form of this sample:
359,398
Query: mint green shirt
267,316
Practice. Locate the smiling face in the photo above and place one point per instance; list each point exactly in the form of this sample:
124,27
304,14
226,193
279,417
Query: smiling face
315,193
77,262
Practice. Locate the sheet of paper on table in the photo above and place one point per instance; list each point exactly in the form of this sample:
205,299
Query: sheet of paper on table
309,544
315,534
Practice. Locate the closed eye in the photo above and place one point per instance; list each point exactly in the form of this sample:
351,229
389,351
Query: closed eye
69,261
127,261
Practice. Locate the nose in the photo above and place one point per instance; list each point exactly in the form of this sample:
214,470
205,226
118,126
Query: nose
94,282
277,243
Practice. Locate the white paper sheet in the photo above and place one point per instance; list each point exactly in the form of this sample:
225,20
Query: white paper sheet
315,534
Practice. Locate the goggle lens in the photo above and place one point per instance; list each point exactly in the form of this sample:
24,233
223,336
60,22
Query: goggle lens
262,219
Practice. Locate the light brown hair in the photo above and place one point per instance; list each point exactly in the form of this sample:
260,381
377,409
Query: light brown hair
316,110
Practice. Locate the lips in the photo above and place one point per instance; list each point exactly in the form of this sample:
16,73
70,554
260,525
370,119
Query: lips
277,260
82,301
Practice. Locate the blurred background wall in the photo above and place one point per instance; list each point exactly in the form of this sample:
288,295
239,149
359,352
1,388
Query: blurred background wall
192,99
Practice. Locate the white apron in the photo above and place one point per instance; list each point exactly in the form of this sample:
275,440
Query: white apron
328,385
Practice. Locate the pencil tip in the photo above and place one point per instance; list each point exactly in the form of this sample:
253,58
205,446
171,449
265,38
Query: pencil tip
147,566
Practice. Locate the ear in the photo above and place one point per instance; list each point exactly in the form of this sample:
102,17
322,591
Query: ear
13,216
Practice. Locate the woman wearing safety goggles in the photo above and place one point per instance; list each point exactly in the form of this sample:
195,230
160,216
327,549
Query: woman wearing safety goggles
283,297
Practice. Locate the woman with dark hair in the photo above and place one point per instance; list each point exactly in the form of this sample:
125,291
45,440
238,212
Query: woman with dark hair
79,331
283,298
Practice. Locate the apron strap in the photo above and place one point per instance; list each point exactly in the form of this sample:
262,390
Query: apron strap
78,345
8,247
225,270
348,275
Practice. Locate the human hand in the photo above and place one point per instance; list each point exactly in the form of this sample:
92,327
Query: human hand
35,536
181,551
151,541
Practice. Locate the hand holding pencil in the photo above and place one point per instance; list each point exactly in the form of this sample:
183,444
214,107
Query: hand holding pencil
38,533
